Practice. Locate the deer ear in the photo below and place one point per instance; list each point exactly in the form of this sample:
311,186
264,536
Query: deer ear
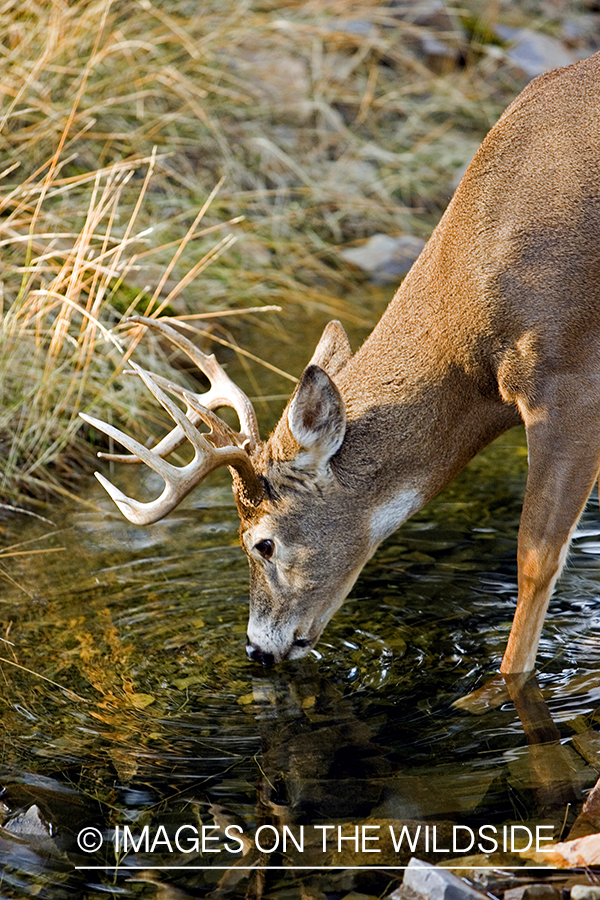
333,350
317,415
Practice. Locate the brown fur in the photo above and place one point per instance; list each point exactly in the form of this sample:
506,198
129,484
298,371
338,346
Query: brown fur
497,323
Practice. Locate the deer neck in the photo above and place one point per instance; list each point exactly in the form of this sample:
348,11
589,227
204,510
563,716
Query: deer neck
422,400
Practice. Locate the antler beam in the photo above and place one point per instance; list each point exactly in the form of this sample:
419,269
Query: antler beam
221,446
223,392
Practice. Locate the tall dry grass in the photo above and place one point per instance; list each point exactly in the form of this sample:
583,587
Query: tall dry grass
321,120
63,342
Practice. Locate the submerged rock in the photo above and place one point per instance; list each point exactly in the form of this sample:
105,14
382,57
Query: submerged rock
537,891
30,828
435,883
29,824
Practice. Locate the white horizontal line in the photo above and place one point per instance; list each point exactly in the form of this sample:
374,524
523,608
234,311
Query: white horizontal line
310,868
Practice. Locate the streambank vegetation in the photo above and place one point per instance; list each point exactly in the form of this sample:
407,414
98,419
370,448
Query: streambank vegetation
191,158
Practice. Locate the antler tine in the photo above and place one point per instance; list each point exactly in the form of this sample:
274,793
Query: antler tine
179,480
222,446
195,413
136,512
142,453
171,441
223,391
182,421
221,434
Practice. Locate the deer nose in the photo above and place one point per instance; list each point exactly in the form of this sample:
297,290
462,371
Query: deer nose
255,654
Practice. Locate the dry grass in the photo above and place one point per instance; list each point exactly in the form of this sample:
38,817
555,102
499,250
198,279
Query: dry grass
62,344
321,120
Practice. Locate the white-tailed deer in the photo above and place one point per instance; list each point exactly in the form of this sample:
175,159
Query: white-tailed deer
497,323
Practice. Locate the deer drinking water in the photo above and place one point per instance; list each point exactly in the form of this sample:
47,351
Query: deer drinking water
497,323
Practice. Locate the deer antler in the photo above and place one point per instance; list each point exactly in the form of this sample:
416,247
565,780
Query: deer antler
222,446
223,392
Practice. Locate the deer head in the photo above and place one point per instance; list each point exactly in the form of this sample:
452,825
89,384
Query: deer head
304,539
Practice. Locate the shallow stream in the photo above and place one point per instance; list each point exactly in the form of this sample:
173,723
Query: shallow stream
128,705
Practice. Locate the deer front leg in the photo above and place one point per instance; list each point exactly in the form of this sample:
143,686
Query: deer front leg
564,458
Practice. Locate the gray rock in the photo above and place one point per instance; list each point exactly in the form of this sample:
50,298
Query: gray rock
372,254
585,892
533,892
541,892
354,26
436,884
441,38
580,30
533,52
384,258
29,824
515,893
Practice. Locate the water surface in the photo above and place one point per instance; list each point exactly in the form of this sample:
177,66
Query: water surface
127,699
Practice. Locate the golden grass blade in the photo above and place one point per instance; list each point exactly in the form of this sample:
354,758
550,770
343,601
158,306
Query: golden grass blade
71,694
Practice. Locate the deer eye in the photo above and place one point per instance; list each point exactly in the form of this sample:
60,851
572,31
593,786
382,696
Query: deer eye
265,548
